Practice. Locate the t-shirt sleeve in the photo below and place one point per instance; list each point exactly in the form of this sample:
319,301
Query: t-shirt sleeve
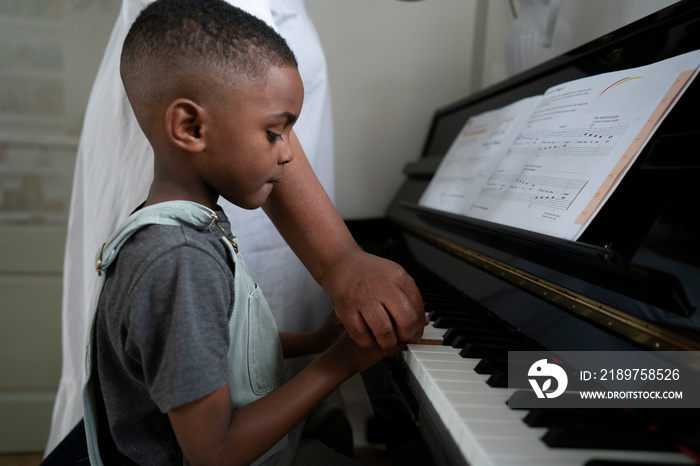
178,326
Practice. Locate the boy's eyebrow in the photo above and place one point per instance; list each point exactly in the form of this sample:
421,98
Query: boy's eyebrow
288,116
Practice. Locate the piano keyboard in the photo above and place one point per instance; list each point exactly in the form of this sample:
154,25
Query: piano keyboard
472,406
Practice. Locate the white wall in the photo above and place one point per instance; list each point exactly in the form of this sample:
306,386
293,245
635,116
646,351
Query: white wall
587,20
391,64
87,26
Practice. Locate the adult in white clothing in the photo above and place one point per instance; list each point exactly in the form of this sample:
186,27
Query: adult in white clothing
375,299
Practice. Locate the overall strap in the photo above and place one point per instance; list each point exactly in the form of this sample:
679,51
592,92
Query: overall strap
183,213
174,213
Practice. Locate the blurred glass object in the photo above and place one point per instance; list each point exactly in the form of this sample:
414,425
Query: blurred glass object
537,34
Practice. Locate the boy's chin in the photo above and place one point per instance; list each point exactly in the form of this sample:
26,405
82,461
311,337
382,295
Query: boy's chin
253,202
249,205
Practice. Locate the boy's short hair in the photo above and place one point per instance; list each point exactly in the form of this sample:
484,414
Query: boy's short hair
184,44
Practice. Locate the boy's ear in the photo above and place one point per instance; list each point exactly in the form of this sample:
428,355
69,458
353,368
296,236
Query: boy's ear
183,125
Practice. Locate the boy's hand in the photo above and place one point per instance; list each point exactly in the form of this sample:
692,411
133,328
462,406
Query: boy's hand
347,353
377,301
328,332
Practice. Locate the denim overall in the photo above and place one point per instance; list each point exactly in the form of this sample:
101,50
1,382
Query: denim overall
256,365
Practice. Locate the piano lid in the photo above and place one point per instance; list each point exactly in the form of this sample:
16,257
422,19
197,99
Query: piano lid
640,256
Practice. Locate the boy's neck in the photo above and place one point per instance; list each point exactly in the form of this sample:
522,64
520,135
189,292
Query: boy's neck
157,195
178,184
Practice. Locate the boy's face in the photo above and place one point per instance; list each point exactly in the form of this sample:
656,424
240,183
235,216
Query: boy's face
248,143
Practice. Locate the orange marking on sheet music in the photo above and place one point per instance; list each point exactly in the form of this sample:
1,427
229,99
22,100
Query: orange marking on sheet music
633,150
466,134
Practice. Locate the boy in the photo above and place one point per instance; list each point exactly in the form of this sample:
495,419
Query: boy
184,362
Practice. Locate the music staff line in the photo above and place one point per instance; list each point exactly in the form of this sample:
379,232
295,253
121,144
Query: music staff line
557,193
574,142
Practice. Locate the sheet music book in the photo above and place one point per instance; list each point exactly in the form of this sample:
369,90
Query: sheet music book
548,163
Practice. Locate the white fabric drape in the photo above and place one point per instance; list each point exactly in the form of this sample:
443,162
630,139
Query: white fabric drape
113,173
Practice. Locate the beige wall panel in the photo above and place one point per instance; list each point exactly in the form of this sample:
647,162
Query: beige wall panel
32,248
30,332
24,421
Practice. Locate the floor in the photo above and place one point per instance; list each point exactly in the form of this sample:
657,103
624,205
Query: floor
357,405
373,456
359,409
29,459
370,455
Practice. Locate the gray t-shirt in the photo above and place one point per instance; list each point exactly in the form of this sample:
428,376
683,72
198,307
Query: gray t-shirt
162,334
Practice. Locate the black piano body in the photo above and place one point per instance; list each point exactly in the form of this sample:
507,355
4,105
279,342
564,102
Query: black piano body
630,282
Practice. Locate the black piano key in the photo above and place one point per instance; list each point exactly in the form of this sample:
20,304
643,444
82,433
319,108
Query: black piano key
487,333
448,299
454,305
489,366
438,293
597,462
444,301
458,312
481,351
483,335
492,327
436,288
460,341
498,379
633,437
495,350
513,344
520,398
463,322
449,337
500,348
435,313
483,330
545,417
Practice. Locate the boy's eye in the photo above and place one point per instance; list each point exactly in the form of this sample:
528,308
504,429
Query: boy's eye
272,137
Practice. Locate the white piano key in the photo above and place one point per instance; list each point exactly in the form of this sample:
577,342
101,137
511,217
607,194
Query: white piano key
437,351
499,451
503,443
471,387
440,353
447,375
461,387
476,399
451,365
513,439
460,397
432,333
485,429
481,414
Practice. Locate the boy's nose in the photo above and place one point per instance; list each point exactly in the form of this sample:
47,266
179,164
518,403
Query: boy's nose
286,154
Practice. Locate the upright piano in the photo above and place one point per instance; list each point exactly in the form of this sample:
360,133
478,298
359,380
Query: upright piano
631,282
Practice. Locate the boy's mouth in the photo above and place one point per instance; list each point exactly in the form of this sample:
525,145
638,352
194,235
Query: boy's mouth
278,178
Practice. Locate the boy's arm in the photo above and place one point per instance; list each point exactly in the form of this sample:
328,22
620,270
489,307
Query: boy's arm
299,344
304,343
377,301
209,432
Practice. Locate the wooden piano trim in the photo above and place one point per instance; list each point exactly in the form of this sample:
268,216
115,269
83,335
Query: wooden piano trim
638,331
